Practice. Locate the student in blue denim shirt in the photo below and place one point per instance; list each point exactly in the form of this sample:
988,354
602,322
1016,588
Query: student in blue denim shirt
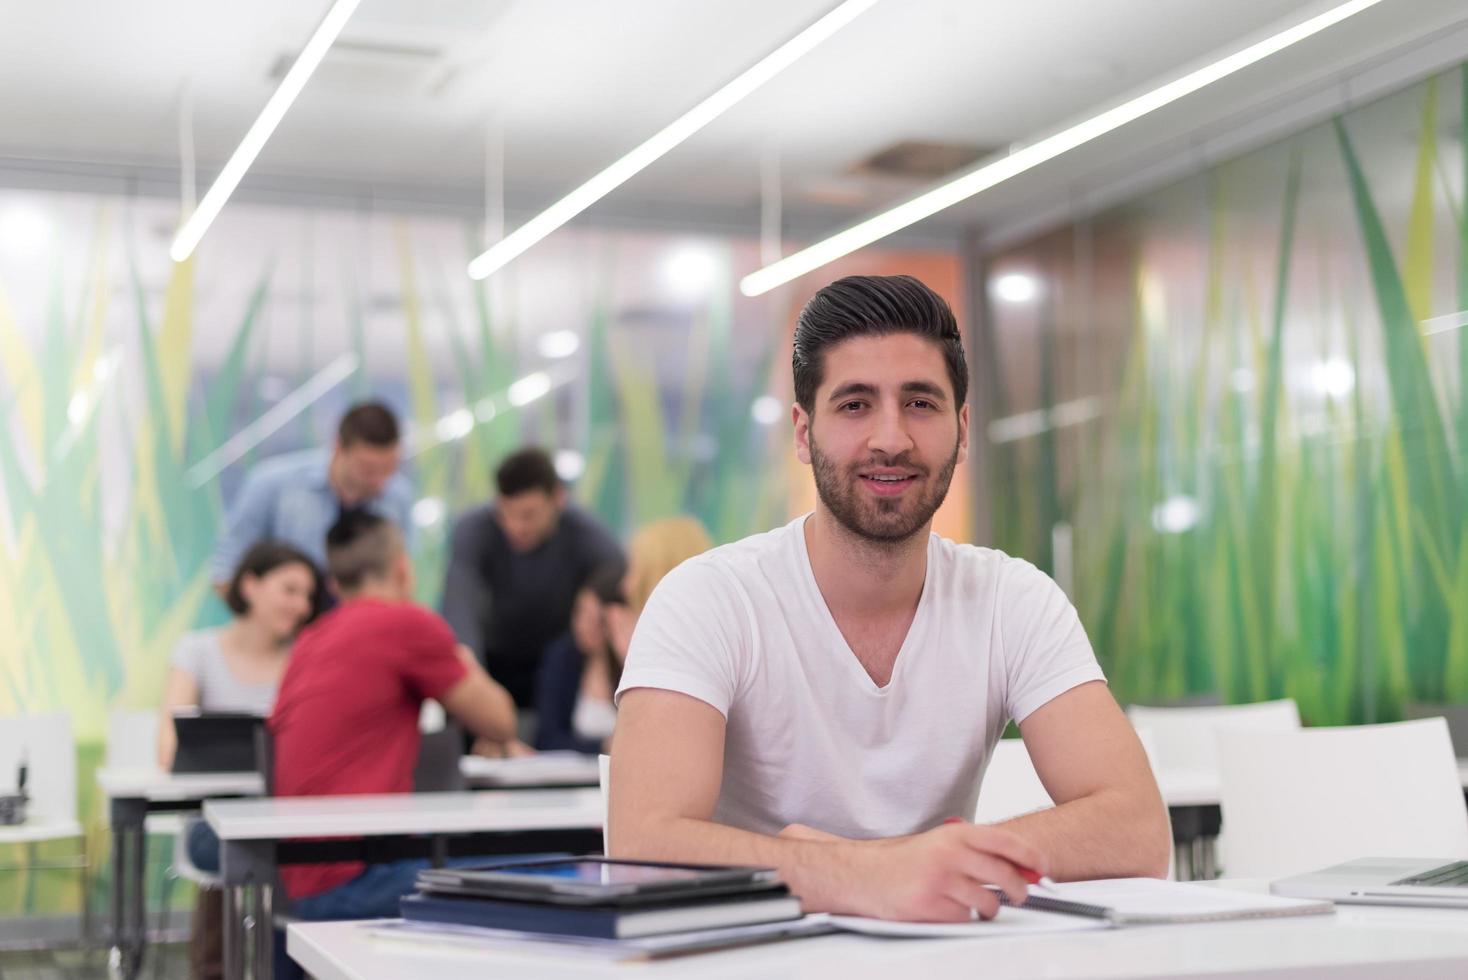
296,497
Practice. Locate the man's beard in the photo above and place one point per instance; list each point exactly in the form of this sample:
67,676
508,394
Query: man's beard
886,521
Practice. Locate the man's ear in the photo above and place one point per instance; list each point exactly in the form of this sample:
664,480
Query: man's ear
403,569
963,433
558,496
802,432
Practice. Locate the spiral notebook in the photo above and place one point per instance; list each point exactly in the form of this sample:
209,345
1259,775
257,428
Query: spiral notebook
1102,904
1152,901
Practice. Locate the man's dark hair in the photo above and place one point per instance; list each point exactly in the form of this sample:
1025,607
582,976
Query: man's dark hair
264,557
359,546
369,422
873,306
527,469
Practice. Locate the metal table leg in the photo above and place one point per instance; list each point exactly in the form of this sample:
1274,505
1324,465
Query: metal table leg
247,868
129,917
263,914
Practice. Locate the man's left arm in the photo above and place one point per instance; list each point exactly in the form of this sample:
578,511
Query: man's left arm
1109,820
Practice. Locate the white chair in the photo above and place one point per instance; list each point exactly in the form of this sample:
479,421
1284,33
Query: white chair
1187,752
1011,787
604,779
44,743
1186,738
132,743
1298,801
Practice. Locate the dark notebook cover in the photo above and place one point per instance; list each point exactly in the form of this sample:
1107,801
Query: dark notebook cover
603,922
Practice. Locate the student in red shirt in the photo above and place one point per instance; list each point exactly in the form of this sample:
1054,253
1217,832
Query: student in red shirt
346,715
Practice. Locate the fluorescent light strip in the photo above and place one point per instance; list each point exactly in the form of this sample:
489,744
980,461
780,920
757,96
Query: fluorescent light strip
518,241
989,174
266,425
290,86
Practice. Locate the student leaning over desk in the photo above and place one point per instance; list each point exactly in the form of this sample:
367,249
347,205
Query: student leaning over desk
823,697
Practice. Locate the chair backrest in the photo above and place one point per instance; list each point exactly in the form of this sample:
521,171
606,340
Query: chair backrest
1299,801
132,739
1186,738
1011,786
265,757
437,768
604,779
45,743
1456,716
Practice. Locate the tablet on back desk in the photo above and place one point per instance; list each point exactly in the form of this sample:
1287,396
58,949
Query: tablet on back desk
215,741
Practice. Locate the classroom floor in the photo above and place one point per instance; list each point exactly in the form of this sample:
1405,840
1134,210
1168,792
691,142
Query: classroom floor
165,962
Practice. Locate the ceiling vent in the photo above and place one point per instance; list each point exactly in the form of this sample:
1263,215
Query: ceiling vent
367,67
918,160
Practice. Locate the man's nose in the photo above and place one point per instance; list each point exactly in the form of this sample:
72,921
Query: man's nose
889,433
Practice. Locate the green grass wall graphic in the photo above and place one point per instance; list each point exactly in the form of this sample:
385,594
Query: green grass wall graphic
1327,561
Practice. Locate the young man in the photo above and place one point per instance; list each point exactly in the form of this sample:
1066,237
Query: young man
296,497
346,715
516,567
823,698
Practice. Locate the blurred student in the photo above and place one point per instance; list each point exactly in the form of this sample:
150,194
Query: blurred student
582,669
274,592
346,718
515,569
296,497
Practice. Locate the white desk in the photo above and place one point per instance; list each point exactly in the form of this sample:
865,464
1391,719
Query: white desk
132,794
256,836
1407,944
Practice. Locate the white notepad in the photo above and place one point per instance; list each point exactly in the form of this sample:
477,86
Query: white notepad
1102,904
1148,901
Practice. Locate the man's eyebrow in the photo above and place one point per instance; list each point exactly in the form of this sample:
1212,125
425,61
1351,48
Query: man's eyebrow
928,388
852,388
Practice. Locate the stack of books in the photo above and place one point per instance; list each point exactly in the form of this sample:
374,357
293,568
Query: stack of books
595,900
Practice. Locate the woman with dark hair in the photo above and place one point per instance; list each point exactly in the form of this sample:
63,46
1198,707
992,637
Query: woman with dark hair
275,590
581,671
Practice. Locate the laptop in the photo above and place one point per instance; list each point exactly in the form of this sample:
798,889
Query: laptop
215,741
1438,883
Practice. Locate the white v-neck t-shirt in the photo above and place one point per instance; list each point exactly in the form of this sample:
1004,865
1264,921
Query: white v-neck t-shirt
810,738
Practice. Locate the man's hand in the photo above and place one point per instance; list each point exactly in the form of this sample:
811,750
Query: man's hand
942,875
490,749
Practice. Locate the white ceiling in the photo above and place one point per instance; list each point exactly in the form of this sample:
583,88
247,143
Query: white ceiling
572,84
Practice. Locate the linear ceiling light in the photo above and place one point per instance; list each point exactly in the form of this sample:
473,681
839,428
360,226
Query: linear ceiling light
988,174
518,241
198,223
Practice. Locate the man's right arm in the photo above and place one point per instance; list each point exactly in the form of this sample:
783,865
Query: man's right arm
478,703
666,770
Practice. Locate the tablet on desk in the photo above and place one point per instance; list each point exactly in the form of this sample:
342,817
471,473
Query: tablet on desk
596,880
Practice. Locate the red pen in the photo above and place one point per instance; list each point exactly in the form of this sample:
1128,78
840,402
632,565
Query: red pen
1029,874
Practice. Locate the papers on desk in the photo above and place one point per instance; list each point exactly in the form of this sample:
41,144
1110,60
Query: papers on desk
1009,922
1102,904
541,769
